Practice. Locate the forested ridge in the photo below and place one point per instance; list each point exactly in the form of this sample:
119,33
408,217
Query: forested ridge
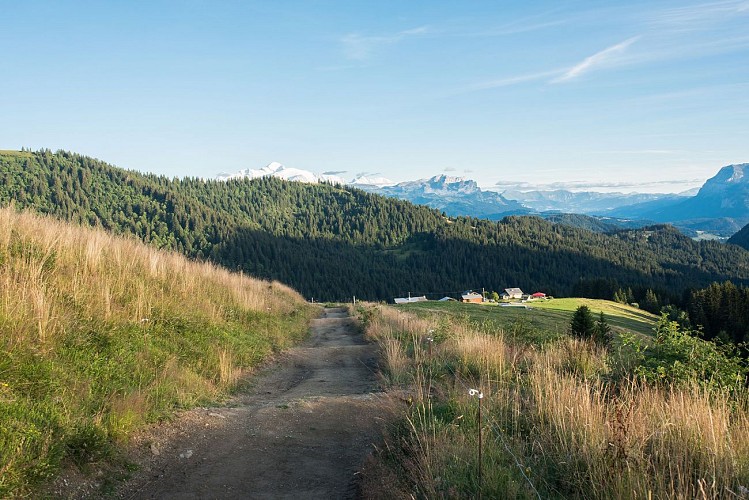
333,242
741,238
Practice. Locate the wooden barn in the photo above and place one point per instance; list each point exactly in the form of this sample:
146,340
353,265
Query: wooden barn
472,297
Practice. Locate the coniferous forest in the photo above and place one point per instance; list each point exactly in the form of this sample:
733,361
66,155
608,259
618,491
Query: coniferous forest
334,242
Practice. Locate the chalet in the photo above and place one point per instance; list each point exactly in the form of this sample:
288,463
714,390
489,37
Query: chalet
512,293
409,300
472,297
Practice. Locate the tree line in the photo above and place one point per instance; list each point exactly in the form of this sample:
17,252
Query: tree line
332,242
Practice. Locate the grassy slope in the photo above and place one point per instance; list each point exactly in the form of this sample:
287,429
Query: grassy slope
557,420
544,320
100,335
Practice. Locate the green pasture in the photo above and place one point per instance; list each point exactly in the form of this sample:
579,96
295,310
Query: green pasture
541,320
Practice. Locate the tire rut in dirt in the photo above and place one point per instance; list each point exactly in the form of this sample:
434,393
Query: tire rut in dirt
301,432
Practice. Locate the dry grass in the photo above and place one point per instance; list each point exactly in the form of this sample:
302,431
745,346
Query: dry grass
101,334
113,278
554,424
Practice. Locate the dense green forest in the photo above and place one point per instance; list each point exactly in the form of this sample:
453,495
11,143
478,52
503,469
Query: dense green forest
332,242
721,311
741,238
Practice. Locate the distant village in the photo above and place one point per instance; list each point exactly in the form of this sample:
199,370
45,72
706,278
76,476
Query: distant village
509,296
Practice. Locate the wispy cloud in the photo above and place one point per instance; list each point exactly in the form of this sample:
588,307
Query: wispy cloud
335,172
605,57
480,29
448,169
602,58
516,29
361,47
698,16
513,80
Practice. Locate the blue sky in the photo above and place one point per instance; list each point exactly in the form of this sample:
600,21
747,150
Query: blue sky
630,96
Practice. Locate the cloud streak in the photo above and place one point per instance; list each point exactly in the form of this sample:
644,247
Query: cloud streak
699,16
361,47
605,57
513,80
602,58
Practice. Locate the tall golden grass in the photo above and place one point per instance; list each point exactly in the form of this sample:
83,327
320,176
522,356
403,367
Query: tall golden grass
555,427
100,334
54,272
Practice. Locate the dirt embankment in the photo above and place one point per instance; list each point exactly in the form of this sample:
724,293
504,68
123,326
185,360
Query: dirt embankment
301,431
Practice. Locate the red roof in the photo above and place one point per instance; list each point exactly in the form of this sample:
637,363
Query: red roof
539,294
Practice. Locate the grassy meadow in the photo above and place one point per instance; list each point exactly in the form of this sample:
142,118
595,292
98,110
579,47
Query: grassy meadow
541,321
561,417
100,335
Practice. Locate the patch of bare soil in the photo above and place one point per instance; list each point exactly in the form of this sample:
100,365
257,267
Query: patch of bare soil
302,430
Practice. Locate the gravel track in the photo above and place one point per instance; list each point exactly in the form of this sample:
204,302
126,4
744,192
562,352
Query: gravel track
302,430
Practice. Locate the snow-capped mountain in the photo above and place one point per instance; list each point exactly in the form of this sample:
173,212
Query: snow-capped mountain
273,169
331,179
364,181
452,195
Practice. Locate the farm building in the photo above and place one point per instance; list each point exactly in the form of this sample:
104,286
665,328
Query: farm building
539,295
512,293
472,297
408,300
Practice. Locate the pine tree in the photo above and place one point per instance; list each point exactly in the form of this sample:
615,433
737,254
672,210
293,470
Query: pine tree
602,331
651,302
582,324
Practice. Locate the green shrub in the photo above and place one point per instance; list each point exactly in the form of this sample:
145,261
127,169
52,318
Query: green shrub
678,358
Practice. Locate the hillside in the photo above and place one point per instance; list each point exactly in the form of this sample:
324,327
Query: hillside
332,242
741,238
595,224
100,335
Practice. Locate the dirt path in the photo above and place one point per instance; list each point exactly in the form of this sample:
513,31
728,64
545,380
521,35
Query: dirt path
301,431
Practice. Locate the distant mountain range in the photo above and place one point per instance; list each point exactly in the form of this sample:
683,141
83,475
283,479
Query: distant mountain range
585,202
720,206
719,209
454,196
275,169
